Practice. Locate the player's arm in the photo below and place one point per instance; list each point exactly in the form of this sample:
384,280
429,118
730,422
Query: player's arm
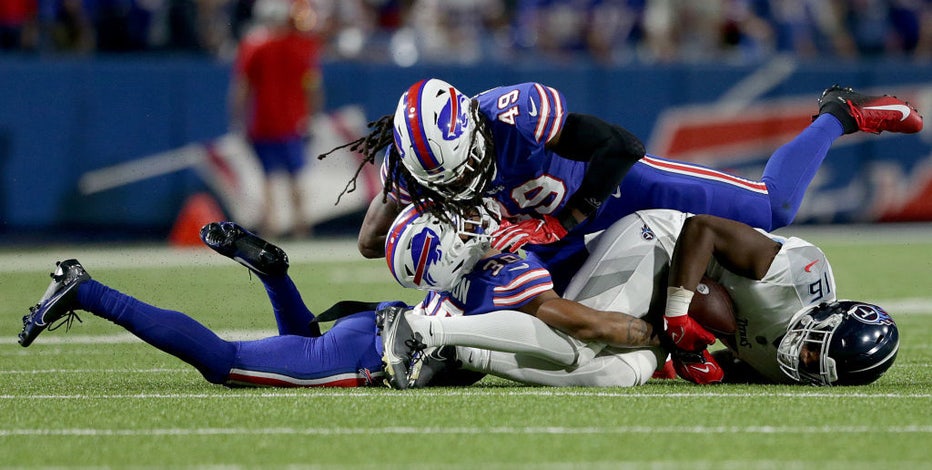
610,150
588,324
736,246
375,226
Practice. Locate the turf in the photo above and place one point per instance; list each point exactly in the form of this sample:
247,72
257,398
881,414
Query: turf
93,397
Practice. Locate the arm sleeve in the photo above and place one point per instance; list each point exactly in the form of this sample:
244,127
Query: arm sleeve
610,151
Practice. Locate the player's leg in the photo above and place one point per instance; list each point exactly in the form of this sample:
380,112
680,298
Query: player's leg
346,356
504,330
270,264
772,202
625,369
167,330
295,163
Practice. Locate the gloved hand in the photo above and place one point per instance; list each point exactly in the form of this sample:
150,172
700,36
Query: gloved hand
686,333
511,237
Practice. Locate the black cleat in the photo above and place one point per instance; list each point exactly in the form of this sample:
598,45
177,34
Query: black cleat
240,245
59,301
431,363
402,348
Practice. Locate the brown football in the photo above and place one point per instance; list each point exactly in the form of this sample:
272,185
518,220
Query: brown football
712,308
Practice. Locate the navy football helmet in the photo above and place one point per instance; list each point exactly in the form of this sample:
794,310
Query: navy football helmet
839,343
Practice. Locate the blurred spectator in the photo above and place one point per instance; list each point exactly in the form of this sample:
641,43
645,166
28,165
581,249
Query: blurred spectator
66,27
18,28
406,32
812,28
276,89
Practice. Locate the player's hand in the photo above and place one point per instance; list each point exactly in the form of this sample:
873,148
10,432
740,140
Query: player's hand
686,334
511,237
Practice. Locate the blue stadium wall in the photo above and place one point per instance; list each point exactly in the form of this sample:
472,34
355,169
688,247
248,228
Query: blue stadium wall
62,118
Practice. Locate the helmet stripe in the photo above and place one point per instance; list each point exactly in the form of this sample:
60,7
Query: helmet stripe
454,112
391,243
415,126
422,260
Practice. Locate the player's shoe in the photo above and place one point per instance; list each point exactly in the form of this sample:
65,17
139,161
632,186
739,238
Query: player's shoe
401,347
697,367
429,363
240,245
59,301
869,113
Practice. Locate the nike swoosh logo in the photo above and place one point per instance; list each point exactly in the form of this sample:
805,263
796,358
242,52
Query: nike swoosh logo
519,266
903,110
704,369
676,335
533,111
809,266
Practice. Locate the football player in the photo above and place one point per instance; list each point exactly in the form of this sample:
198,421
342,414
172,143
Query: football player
791,327
347,355
502,309
577,174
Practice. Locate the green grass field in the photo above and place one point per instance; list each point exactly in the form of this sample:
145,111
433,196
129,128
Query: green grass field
96,397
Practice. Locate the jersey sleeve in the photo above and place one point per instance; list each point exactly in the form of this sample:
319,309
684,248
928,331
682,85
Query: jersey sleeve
524,287
545,112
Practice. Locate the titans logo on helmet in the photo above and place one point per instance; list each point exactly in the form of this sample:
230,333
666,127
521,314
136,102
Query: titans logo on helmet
870,314
425,249
453,118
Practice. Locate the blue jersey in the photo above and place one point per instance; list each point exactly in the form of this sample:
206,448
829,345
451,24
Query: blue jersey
532,180
500,282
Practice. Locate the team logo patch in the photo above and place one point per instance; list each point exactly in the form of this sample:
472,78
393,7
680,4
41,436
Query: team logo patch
425,250
647,233
870,314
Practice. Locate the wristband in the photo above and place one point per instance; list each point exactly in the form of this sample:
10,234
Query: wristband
678,299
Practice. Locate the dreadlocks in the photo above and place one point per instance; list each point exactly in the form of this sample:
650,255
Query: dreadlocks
381,135
368,146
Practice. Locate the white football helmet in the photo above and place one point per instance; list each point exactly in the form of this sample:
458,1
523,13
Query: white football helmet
425,252
436,134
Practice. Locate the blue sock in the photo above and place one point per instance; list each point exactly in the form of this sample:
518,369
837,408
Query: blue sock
291,315
793,166
168,330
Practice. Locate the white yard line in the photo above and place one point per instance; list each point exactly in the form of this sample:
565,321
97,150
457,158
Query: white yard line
396,430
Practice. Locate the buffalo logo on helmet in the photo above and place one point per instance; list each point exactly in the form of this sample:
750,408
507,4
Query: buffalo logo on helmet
453,119
870,314
425,250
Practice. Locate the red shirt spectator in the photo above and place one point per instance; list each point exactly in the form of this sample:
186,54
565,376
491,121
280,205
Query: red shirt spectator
280,70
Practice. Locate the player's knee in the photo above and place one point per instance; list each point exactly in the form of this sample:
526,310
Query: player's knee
781,216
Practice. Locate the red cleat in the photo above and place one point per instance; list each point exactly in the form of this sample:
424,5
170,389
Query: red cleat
697,367
869,113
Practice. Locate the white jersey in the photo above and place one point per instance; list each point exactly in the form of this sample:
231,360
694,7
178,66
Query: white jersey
629,265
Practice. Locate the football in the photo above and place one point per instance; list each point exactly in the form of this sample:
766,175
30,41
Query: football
712,308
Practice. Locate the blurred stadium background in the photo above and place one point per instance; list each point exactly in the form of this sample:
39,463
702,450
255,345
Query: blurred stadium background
114,118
